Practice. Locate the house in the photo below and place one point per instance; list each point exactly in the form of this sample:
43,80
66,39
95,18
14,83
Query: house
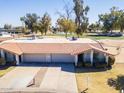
52,50
12,30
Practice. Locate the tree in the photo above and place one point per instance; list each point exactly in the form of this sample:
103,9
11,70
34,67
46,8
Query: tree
91,27
121,20
7,26
30,20
84,26
45,23
107,22
54,29
68,10
112,20
80,12
66,25
40,27
94,27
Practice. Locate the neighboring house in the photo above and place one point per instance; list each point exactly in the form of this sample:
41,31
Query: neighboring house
11,31
52,50
5,34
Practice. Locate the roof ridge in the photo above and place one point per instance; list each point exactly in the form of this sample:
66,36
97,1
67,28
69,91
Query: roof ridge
102,50
19,47
80,48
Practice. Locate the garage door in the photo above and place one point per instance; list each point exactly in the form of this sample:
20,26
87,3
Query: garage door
62,58
34,58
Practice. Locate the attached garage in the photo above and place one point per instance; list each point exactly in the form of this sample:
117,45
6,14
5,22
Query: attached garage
34,58
48,58
63,58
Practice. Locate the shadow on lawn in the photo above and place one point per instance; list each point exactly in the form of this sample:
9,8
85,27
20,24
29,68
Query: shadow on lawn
117,83
91,69
4,67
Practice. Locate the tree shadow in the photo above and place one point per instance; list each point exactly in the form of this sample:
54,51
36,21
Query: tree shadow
4,67
91,69
117,83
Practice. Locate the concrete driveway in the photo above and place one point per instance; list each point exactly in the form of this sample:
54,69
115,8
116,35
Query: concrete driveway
59,78
18,78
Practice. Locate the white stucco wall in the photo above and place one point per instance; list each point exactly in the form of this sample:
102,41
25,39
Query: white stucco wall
48,58
86,56
63,58
34,58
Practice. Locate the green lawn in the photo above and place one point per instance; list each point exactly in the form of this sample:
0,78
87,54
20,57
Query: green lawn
5,70
87,36
105,37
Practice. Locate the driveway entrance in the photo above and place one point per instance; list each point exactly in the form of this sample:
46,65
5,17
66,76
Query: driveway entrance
58,78
18,78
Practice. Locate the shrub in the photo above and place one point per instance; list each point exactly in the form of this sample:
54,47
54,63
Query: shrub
80,64
87,64
111,60
100,64
117,83
11,63
112,82
2,61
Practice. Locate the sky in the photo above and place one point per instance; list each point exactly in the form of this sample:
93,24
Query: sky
12,10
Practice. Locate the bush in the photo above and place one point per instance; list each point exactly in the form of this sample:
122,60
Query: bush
117,83
112,82
111,60
11,63
87,64
2,61
100,64
80,64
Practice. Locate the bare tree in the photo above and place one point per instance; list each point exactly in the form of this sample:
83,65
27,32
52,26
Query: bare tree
68,10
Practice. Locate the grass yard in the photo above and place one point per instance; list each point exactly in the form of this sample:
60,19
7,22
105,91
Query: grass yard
106,37
87,36
5,70
97,80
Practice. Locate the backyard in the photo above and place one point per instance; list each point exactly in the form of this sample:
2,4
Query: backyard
96,79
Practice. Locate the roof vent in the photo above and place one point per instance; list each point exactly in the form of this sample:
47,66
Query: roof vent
34,37
72,38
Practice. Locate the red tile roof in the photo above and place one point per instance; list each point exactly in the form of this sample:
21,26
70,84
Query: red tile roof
5,38
65,48
11,47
